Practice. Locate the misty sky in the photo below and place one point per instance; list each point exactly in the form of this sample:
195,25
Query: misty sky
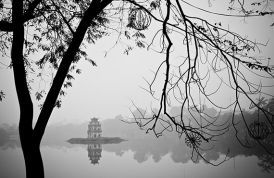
109,89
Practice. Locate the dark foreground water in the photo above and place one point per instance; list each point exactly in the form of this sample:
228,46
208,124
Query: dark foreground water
135,158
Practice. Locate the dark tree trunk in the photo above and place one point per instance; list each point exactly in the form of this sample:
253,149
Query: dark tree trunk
30,146
32,156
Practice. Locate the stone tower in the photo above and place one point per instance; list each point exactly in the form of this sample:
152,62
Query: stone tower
94,128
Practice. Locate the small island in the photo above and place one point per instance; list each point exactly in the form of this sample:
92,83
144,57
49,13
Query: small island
94,135
101,140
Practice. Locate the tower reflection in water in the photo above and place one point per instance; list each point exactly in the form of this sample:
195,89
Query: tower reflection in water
94,153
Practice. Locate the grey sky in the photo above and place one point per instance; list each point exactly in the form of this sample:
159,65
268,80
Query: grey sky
108,89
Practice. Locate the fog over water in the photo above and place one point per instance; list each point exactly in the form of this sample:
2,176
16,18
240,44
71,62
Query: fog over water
142,155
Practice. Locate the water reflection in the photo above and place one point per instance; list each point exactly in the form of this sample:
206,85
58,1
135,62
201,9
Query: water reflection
143,149
149,147
94,153
8,143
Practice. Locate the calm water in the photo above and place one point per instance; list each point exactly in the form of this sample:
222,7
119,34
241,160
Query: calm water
135,158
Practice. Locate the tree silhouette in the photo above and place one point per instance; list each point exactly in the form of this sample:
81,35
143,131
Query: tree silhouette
59,30
31,137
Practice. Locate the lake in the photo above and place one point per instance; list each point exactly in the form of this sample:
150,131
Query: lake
135,158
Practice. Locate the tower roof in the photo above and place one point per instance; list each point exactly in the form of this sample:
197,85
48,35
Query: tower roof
94,119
